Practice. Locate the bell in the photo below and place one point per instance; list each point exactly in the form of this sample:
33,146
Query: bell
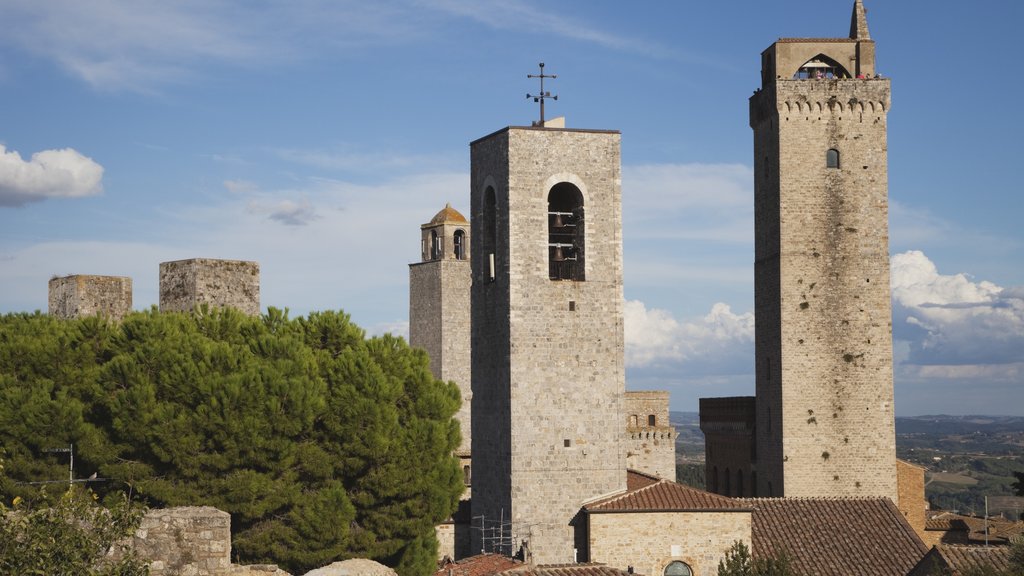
558,220
558,254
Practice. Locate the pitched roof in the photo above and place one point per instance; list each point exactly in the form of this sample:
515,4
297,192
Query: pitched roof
960,559
836,536
636,479
479,565
973,528
568,570
665,496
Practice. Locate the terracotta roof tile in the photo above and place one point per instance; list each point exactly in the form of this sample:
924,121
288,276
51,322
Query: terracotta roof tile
836,536
567,570
664,496
479,565
960,559
448,215
636,479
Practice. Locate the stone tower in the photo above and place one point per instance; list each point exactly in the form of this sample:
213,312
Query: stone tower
547,339
439,308
186,284
83,295
824,410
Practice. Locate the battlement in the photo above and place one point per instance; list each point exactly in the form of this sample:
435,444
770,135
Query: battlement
852,100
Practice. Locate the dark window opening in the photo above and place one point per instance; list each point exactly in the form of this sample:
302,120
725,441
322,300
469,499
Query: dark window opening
466,475
728,483
714,479
435,245
821,67
739,483
832,158
753,483
489,233
460,245
651,420
565,233
566,443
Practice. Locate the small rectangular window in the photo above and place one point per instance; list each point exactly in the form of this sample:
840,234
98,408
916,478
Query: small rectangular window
567,443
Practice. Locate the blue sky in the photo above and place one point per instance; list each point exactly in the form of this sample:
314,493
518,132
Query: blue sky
316,136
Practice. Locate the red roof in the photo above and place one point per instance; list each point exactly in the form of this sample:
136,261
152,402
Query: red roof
665,496
479,565
958,560
568,570
836,536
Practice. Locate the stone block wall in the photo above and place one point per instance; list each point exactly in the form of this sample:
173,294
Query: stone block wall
912,502
194,541
81,295
186,284
548,376
650,541
650,448
825,422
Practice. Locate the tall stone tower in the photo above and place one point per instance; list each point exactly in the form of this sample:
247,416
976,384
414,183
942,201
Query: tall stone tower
547,339
825,420
439,308
186,284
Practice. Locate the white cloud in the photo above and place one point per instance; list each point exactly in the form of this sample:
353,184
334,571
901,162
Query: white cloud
954,321
717,341
61,173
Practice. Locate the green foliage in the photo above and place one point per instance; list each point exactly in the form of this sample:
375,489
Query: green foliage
738,562
691,474
69,536
1018,483
321,443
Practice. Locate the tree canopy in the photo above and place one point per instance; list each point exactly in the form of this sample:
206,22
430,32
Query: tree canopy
321,443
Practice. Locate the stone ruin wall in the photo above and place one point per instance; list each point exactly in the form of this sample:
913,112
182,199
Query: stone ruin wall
186,284
79,296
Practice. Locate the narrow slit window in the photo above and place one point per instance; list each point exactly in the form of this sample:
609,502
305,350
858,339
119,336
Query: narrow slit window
832,158
460,245
435,245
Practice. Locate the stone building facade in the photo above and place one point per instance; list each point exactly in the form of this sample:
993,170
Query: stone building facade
547,334
439,309
187,284
824,422
729,454
650,439
82,295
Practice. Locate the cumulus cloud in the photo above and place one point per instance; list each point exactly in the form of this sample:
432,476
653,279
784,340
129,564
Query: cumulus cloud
61,173
716,342
953,320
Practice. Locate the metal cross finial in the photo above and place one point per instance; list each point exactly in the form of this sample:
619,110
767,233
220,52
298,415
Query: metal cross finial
542,95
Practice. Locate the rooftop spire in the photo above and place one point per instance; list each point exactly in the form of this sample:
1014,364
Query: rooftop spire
859,22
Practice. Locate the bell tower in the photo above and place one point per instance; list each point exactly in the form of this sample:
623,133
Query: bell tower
824,409
548,376
439,309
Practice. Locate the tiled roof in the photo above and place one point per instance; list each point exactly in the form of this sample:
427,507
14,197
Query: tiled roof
568,570
479,565
999,531
448,215
664,496
960,559
836,536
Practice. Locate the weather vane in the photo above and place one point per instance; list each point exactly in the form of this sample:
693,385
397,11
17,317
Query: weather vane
542,95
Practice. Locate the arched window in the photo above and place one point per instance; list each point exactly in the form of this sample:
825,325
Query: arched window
739,483
565,233
832,158
466,476
728,486
753,483
651,420
435,245
821,67
489,234
633,420
714,479
460,245
678,568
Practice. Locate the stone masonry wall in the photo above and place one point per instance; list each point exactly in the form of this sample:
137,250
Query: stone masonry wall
649,448
912,502
185,541
650,541
547,355
186,284
79,295
825,420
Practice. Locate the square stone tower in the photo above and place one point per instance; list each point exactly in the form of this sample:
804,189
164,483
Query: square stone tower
825,418
186,284
83,295
547,336
439,308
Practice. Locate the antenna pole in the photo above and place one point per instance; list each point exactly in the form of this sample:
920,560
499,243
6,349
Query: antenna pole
541,96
